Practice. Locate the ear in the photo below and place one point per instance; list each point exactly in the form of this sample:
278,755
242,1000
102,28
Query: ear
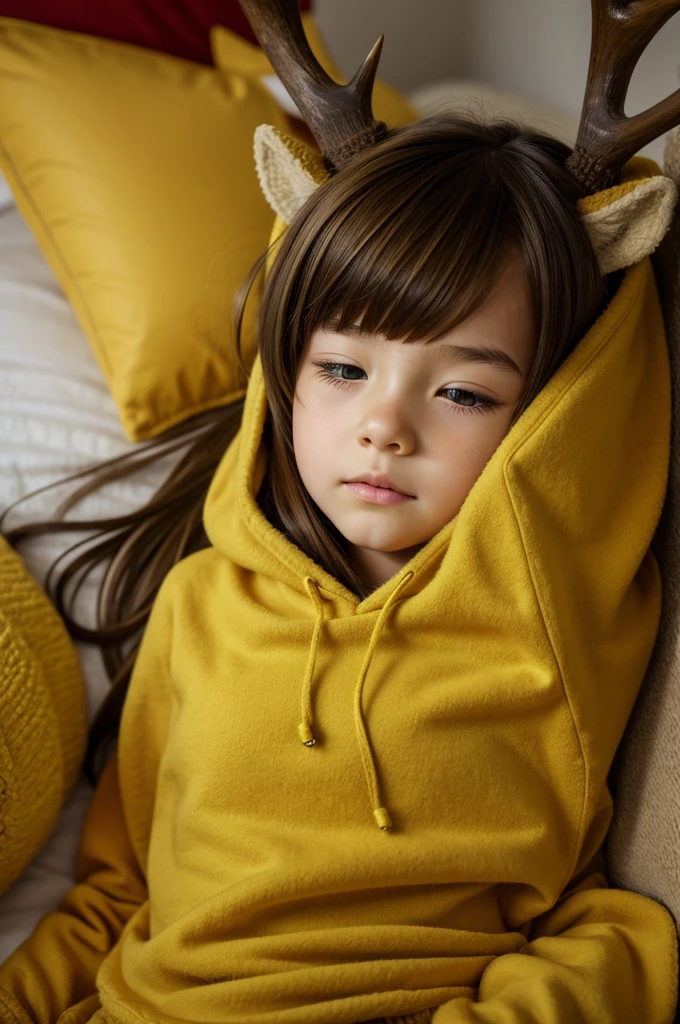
626,223
289,171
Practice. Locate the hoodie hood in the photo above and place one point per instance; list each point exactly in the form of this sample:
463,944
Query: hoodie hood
546,568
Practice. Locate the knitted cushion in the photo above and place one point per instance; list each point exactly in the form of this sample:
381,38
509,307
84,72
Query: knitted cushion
42,716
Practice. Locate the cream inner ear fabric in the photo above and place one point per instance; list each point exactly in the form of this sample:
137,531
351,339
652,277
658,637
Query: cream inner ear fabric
631,227
288,171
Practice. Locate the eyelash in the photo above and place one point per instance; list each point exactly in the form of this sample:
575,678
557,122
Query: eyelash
485,404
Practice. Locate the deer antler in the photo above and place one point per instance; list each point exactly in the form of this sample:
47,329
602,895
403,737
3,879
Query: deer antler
606,137
340,116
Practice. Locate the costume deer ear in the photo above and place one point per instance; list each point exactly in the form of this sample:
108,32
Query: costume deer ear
289,171
626,223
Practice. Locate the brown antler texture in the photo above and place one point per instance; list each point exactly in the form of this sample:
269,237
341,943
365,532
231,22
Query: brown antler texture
621,29
340,116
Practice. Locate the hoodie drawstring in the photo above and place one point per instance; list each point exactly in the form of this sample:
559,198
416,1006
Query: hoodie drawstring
305,726
380,813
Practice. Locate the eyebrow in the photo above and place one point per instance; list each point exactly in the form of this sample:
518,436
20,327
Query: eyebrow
485,354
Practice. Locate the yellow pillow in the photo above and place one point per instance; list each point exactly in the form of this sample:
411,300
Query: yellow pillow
42,716
135,172
233,53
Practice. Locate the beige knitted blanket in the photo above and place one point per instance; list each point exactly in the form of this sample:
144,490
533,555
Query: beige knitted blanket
643,843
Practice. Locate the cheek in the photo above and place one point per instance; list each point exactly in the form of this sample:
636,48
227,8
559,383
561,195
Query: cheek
463,451
314,431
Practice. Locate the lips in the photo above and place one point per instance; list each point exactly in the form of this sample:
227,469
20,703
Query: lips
377,495
378,480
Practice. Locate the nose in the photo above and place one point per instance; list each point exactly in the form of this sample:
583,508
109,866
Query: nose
387,426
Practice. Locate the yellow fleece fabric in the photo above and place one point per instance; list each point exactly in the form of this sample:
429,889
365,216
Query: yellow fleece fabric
231,874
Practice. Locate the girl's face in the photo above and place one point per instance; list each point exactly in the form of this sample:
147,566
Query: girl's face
427,416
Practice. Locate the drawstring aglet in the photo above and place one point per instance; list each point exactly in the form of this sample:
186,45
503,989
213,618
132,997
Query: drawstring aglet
382,816
306,734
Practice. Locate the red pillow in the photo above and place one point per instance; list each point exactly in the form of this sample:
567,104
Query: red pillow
179,27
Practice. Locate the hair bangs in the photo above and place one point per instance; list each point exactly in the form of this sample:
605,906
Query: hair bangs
429,259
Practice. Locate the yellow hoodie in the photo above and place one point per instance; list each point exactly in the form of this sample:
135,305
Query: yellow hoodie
231,874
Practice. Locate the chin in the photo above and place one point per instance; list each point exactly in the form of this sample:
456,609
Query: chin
367,539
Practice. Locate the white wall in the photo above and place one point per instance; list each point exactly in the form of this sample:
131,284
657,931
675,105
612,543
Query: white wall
541,47
421,37
536,47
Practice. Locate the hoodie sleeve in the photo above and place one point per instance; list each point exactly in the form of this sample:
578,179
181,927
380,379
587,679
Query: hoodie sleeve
600,954
55,968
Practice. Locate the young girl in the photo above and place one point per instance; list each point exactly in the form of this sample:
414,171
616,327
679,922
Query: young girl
362,765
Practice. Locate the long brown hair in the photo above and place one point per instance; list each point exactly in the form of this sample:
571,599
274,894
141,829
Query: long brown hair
407,240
